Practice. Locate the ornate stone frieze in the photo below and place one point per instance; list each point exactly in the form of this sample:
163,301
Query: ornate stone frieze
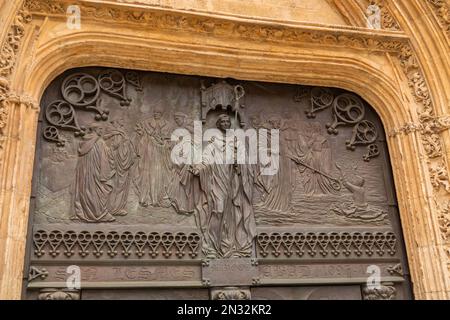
188,22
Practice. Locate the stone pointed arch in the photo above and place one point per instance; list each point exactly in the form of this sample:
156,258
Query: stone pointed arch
354,59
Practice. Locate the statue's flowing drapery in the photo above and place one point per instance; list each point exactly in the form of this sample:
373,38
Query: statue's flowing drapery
121,158
92,186
154,165
225,204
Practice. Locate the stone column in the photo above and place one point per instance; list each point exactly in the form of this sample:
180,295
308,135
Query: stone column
18,129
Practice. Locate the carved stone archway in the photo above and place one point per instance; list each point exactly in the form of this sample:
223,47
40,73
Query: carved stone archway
387,68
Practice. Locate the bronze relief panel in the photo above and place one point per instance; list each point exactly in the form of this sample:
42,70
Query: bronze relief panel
150,180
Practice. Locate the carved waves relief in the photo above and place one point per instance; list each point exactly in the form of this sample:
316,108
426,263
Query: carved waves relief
106,156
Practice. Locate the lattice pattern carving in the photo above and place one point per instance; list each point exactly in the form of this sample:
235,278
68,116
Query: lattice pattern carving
111,244
326,244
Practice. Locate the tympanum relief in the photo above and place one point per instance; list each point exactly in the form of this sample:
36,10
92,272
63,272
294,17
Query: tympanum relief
142,165
107,154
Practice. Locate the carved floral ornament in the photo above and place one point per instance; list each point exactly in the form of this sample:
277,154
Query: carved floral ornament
8,55
442,11
387,20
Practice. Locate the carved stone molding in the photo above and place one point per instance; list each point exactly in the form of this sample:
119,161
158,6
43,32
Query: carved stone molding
59,294
259,31
230,293
373,41
442,10
430,125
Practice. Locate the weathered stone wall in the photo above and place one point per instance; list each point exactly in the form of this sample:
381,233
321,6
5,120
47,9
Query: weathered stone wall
401,70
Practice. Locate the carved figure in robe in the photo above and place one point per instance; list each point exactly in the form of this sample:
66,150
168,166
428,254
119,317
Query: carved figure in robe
280,185
315,152
154,166
180,192
224,204
262,182
122,156
92,178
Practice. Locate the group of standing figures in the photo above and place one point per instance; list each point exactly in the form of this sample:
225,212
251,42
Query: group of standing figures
221,195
